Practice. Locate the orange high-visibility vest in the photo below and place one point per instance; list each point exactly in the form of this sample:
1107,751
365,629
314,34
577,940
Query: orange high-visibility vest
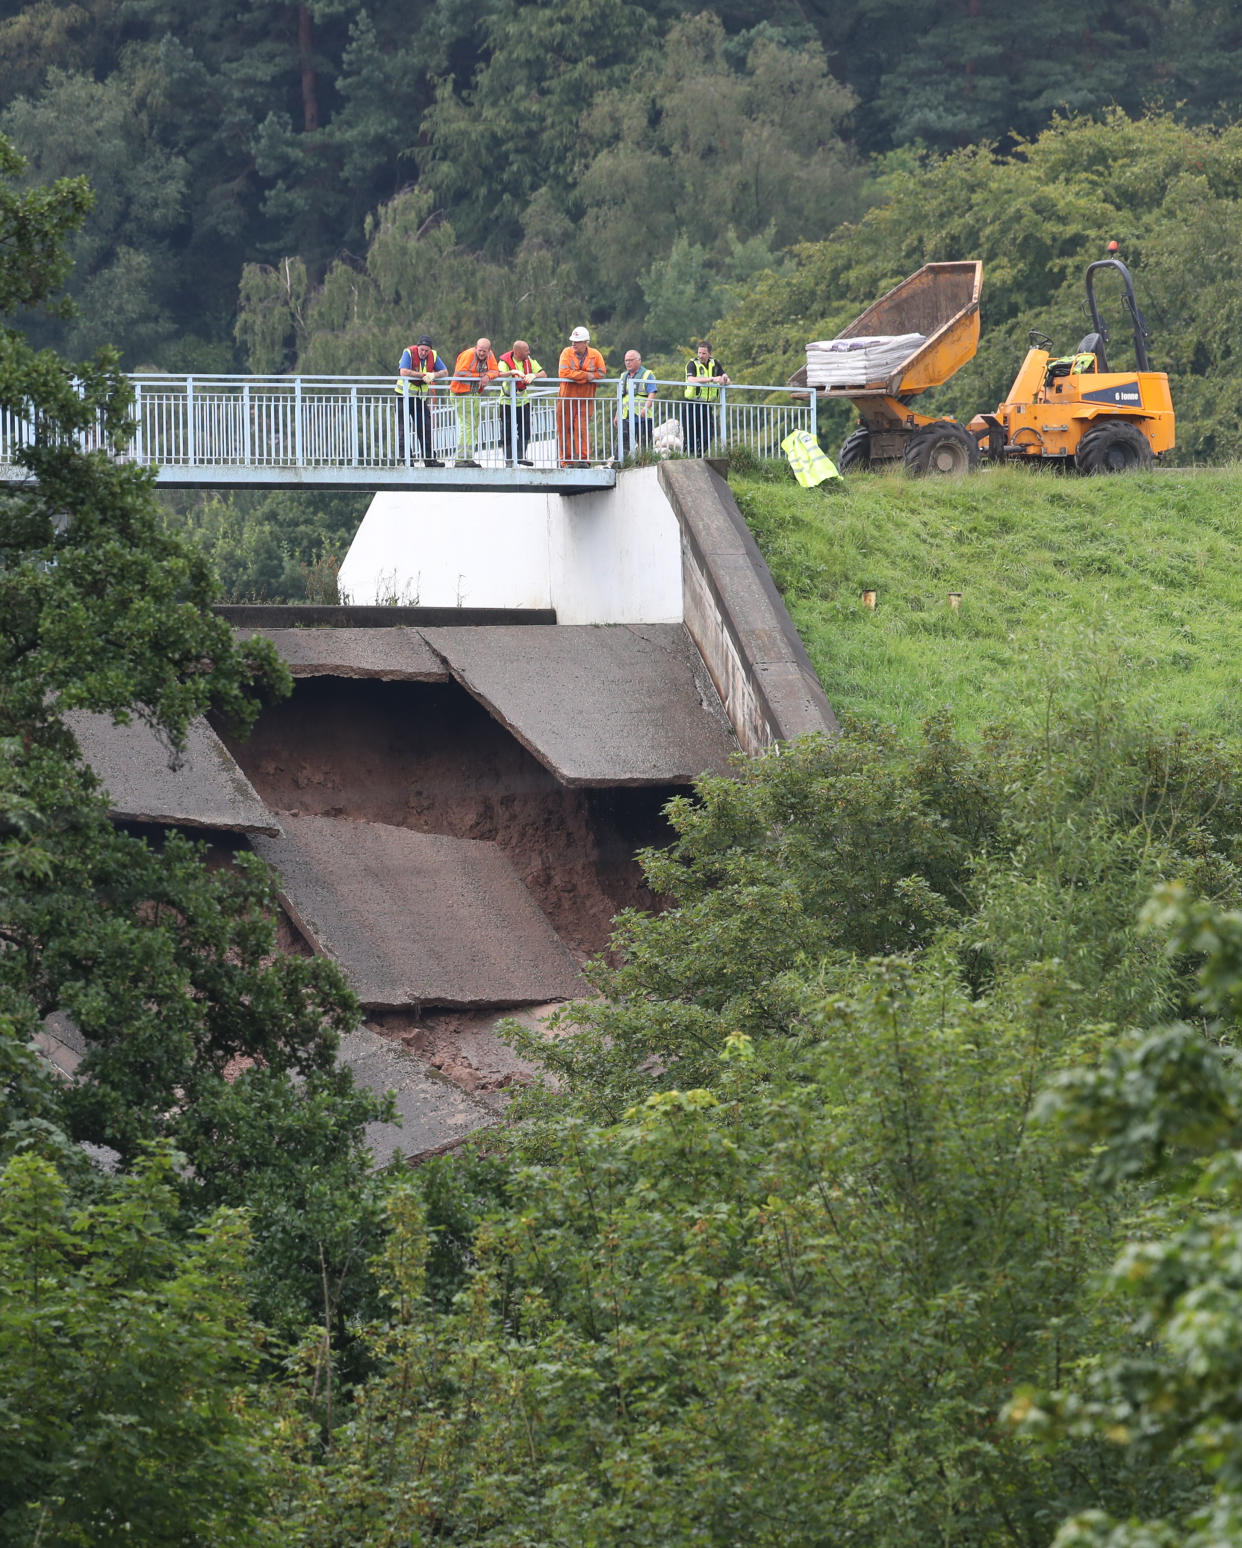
468,365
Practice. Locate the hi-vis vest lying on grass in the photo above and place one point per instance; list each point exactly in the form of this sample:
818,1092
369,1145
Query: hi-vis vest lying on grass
809,462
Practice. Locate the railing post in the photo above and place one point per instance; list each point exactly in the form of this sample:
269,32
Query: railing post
724,403
138,423
191,446
297,421
353,427
247,446
622,436
814,413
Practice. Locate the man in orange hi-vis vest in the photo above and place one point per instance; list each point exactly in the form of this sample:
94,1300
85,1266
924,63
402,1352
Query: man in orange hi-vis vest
580,369
473,374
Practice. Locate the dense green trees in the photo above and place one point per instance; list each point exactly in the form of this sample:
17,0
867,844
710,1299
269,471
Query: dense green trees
639,185
124,1348
1166,1106
81,127
770,1260
198,1034
601,135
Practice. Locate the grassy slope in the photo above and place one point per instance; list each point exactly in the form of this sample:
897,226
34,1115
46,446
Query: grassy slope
1134,581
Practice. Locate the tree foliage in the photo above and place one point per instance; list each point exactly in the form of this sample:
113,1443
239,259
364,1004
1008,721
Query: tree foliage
100,130
787,1238
167,969
1017,849
282,130
123,1349
1166,1107
786,1309
674,177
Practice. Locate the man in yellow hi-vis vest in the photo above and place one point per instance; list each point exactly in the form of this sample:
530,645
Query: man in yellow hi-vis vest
420,369
705,376
521,366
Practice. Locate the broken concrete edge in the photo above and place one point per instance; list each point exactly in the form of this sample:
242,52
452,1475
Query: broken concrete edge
304,615
461,676
737,617
398,654
200,825
501,1008
446,1148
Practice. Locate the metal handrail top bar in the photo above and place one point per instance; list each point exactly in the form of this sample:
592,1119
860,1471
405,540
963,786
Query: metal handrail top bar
388,382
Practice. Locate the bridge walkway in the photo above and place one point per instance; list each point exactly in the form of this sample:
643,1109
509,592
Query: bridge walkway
347,433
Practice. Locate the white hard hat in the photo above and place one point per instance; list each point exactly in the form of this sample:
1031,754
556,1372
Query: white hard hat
579,336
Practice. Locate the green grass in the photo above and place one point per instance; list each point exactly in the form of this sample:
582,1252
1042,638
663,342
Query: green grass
1130,585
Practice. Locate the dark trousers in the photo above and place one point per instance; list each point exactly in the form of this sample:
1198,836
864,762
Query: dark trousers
419,411
635,434
699,420
515,419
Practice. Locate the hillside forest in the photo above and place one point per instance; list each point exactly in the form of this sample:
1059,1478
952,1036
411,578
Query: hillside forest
888,1193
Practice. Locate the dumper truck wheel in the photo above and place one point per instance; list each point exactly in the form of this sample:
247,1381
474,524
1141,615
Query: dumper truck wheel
945,447
855,453
1114,446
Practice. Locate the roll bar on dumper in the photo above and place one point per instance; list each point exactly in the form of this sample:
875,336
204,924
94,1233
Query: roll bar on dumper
1073,412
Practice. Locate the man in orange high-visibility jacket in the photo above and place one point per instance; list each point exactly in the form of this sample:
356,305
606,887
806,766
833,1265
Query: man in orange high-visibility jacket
472,375
580,369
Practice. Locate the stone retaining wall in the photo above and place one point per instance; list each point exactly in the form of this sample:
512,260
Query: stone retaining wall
737,617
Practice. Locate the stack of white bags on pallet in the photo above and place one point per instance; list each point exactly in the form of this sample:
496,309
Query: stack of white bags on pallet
857,362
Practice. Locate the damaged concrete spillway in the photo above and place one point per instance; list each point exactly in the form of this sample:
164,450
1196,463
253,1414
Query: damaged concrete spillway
453,796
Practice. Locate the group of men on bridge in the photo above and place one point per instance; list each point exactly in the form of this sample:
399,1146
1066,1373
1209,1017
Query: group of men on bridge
579,371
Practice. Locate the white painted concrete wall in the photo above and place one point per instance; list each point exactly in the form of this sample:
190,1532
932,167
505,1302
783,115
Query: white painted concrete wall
610,556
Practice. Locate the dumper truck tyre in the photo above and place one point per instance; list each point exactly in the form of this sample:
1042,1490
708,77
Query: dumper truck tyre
855,453
1113,446
945,447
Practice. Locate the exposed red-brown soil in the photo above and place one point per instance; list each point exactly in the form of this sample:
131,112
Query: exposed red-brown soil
427,756
462,1045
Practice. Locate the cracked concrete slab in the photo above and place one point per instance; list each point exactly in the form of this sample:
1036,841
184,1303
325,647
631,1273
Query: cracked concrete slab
418,918
598,704
199,788
61,1043
393,655
434,1115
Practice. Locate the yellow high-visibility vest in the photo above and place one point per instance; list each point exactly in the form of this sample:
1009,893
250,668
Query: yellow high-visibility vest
703,368
810,463
644,386
407,385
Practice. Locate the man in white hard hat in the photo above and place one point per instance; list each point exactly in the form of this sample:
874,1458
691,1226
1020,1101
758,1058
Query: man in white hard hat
581,369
